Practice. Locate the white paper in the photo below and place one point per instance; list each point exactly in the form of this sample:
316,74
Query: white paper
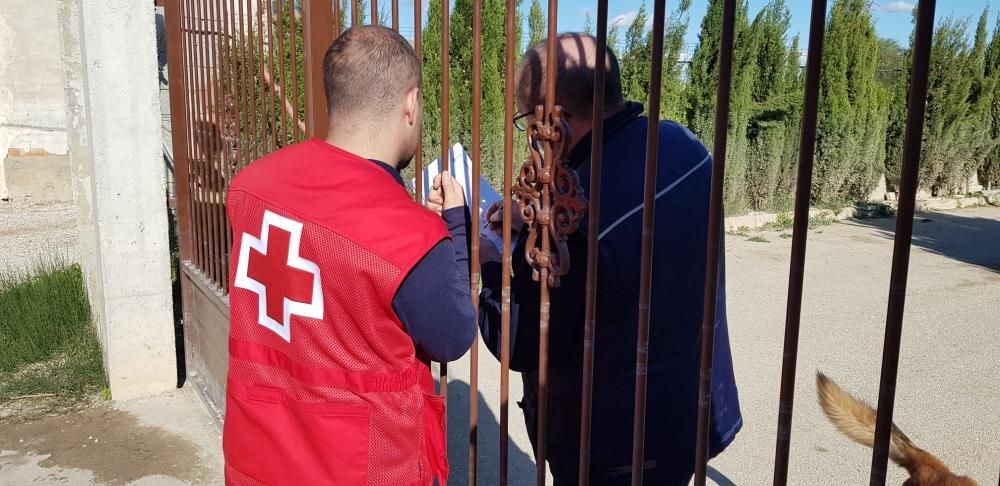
460,166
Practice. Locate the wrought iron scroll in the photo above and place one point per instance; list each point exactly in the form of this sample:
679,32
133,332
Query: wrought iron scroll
550,196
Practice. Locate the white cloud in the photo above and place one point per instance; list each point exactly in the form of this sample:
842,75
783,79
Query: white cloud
623,20
895,7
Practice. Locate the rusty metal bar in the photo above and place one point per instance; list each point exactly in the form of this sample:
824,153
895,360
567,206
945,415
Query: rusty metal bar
190,11
544,271
714,242
913,138
205,141
477,90
179,138
187,49
293,35
593,229
395,15
418,158
336,19
220,58
233,104
444,146
251,60
273,85
222,72
646,258
261,83
316,21
800,233
283,75
215,88
355,10
374,19
508,189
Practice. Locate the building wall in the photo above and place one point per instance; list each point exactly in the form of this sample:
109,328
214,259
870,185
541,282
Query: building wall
32,108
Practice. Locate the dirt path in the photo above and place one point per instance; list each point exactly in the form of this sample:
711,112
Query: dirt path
31,232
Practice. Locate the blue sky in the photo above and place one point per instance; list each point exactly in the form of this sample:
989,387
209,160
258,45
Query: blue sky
892,17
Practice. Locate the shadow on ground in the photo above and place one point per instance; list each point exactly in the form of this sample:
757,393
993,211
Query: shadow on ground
963,237
521,467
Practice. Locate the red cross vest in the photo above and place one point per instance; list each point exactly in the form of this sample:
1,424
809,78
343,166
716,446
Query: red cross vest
324,387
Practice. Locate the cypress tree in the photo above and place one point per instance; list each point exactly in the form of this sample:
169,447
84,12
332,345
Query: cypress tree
851,137
672,90
794,91
771,110
949,86
588,23
635,60
894,77
989,173
536,23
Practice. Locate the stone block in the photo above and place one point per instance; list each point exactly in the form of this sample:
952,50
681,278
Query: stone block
38,178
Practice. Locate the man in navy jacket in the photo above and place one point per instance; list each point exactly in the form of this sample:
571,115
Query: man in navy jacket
679,253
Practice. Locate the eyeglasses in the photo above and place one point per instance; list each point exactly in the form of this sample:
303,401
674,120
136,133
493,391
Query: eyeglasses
521,124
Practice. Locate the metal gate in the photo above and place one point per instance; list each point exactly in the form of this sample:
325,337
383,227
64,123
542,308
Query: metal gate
240,88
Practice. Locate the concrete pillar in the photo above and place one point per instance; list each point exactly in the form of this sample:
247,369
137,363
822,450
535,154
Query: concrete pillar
120,171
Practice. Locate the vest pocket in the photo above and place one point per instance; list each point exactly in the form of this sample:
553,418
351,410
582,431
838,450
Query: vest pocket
435,436
277,440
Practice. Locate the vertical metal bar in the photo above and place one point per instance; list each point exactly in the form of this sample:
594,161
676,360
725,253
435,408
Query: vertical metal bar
395,15
190,119
546,201
220,58
374,19
916,107
418,158
212,70
444,85
593,228
273,86
293,36
477,90
235,86
316,22
648,228
508,189
444,145
800,233
714,241
265,120
205,141
253,82
355,10
282,75
215,160
337,27
194,67
173,16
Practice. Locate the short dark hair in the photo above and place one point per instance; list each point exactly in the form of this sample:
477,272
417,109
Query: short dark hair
574,82
369,68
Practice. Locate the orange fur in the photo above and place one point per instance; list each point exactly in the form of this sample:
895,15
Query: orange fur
856,419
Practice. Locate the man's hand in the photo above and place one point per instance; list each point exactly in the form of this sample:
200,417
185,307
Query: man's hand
446,193
494,217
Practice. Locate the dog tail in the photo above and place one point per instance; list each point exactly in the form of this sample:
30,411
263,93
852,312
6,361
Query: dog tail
856,419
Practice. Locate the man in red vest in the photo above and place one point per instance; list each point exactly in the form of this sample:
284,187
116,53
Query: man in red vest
333,270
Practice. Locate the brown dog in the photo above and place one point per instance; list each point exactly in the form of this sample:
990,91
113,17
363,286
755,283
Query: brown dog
856,419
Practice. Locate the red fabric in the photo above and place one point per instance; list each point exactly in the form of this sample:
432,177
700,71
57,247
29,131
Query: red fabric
334,394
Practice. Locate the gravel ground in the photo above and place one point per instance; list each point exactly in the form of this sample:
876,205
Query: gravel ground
29,233
949,377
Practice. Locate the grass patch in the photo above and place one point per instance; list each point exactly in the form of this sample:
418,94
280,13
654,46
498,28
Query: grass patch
758,239
785,236
741,231
49,344
822,219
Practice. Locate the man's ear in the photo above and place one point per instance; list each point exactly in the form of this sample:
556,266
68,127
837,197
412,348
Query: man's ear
411,106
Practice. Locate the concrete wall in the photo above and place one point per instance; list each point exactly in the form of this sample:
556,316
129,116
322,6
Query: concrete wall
32,112
121,190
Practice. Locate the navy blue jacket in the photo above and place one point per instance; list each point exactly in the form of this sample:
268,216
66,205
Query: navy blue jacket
683,185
